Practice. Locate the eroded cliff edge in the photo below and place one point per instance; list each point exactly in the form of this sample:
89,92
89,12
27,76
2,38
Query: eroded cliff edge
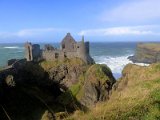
135,96
72,89
50,89
146,53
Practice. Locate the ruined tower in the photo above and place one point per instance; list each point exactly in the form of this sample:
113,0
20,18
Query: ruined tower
68,43
32,52
28,51
83,51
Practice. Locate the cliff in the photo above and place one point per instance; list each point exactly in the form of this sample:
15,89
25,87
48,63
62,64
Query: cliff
72,89
135,96
50,90
147,53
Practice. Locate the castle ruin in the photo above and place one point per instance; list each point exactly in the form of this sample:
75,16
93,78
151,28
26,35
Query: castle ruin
69,48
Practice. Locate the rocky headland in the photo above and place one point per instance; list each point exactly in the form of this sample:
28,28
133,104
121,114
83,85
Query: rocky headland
48,90
71,88
51,83
146,53
135,96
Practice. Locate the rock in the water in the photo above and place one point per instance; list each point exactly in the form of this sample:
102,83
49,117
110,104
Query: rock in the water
146,53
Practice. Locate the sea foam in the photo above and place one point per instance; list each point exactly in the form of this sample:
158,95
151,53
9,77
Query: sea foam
116,63
13,47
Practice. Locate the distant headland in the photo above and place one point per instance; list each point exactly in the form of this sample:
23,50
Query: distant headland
146,53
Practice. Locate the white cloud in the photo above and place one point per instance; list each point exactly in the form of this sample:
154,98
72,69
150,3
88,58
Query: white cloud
129,30
133,11
27,33
31,32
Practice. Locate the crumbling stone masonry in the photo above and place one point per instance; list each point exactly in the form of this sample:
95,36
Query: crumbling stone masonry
69,49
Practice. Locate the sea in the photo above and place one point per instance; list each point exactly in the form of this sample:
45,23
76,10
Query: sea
113,54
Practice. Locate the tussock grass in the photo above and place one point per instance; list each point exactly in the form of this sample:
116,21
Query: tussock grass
70,62
1,68
98,71
137,97
73,93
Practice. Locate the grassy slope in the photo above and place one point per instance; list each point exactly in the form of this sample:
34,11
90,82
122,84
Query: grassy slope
98,71
137,97
151,46
46,65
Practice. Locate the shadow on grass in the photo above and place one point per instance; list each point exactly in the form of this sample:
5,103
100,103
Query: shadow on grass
33,95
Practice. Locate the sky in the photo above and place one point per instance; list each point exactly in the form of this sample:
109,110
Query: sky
98,20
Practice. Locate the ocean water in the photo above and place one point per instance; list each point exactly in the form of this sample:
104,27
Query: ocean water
113,54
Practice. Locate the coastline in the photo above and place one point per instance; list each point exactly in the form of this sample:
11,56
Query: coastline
112,54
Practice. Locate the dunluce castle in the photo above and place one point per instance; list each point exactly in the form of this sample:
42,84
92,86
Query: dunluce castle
69,48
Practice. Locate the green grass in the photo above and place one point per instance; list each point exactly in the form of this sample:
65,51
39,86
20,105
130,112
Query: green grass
46,65
138,100
1,69
153,112
98,71
73,93
157,67
152,46
75,89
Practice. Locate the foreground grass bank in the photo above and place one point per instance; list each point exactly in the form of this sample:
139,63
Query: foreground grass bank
136,96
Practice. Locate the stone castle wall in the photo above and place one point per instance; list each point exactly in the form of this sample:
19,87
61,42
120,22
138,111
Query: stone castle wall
69,49
53,55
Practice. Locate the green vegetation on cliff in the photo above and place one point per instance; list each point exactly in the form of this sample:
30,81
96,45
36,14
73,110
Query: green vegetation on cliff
147,53
135,96
46,65
1,68
92,86
100,72
71,89
151,46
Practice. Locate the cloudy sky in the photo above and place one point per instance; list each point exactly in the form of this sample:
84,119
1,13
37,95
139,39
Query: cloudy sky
97,20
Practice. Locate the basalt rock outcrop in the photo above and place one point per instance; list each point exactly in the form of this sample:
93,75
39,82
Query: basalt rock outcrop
135,96
146,53
98,84
41,90
94,85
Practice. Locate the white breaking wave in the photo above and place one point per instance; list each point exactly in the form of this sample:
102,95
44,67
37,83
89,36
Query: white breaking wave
13,47
142,64
116,64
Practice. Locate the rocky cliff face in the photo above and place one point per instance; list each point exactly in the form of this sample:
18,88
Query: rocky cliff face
147,53
47,89
98,84
135,96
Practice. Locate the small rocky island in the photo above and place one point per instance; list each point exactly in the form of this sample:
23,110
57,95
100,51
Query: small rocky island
51,83
146,53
